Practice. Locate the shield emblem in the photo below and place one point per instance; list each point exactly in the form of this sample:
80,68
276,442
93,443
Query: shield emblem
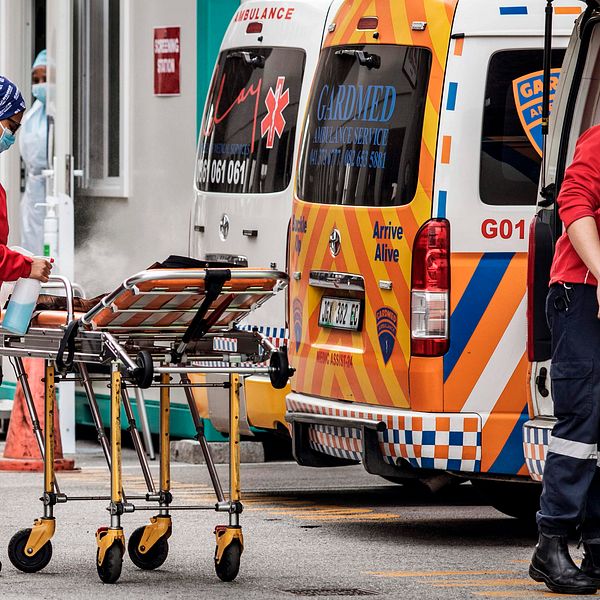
387,323
528,92
297,317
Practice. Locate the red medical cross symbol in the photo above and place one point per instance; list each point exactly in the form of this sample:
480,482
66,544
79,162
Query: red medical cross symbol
274,122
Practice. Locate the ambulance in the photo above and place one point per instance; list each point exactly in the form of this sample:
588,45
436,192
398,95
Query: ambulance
416,183
246,157
575,111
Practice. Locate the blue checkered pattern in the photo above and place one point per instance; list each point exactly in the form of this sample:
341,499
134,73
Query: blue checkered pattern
535,447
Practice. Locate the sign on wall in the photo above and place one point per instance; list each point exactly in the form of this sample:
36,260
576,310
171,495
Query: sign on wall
166,61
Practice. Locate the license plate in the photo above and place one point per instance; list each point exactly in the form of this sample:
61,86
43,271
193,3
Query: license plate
340,313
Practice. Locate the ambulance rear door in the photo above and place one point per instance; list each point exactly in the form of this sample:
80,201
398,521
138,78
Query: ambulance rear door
576,107
249,135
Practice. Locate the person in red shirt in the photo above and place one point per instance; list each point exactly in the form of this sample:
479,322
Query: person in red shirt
571,494
13,264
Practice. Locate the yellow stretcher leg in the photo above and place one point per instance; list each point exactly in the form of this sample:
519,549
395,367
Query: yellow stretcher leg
160,526
49,403
111,540
116,473
234,437
43,529
229,538
165,438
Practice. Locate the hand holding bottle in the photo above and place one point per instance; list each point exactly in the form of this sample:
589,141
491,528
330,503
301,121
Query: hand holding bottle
40,269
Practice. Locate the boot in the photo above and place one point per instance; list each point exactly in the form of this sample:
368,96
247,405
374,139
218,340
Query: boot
552,564
591,561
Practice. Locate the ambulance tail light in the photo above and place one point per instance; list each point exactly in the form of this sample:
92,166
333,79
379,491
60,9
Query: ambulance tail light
254,27
430,289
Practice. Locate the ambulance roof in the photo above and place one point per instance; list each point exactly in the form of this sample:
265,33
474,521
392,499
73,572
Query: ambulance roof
294,24
514,17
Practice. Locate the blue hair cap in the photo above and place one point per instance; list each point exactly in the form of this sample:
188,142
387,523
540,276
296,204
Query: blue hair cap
11,100
40,60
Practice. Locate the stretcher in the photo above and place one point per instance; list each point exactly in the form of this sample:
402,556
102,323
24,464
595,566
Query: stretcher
154,330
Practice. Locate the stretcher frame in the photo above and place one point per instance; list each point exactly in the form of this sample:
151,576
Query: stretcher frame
172,320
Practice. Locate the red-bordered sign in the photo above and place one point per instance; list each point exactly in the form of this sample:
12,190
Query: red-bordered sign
166,61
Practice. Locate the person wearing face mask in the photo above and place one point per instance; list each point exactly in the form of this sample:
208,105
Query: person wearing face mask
33,142
14,264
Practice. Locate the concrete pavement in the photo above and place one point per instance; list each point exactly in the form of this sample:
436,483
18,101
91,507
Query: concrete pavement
324,533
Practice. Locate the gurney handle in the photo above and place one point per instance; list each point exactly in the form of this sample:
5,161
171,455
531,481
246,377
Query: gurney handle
66,283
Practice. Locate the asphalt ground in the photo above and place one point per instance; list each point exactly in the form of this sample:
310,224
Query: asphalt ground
324,533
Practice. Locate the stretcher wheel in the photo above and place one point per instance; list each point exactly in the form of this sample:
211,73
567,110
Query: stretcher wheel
145,370
152,559
23,562
229,565
110,570
281,371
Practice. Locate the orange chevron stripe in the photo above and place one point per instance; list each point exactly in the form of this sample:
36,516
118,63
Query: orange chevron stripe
506,413
386,23
373,384
484,340
372,284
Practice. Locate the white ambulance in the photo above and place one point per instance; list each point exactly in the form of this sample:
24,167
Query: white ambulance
245,164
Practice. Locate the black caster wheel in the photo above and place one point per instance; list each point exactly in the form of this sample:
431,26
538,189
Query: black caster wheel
152,559
229,566
110,570
281,369
144,372
17,556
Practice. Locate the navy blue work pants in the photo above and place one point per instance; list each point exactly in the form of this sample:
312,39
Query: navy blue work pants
571,494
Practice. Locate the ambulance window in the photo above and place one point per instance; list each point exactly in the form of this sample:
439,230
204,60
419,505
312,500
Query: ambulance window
247,139
362,139
512,138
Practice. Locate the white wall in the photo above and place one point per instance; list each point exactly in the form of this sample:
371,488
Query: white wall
122,236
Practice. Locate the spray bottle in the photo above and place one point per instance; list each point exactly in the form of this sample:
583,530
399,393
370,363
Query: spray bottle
22,303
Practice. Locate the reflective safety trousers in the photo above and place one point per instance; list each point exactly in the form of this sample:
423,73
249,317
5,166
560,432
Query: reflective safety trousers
571,494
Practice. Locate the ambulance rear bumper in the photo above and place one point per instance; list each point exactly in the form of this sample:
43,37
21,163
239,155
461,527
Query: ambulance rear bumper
391,442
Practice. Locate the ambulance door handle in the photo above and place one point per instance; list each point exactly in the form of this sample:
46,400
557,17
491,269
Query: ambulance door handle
540,382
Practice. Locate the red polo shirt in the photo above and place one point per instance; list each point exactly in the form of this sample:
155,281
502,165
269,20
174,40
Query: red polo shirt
12,264
579,197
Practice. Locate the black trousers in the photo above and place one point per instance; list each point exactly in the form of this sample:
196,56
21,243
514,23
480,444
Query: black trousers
571,494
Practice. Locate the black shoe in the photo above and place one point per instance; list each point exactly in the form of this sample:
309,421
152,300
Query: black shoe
552,564
591,561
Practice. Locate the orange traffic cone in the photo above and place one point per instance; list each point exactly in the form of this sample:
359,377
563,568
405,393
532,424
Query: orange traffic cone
21,452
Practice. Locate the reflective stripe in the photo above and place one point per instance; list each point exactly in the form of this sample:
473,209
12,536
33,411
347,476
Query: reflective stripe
573,449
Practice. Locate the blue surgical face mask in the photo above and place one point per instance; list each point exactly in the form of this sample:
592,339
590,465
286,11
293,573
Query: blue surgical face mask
39,91
7,139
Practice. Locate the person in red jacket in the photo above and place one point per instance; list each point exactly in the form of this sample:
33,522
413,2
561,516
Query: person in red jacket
571,494
13,264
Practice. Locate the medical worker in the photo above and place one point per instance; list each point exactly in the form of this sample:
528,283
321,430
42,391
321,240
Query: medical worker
13,264
33,142
571,495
